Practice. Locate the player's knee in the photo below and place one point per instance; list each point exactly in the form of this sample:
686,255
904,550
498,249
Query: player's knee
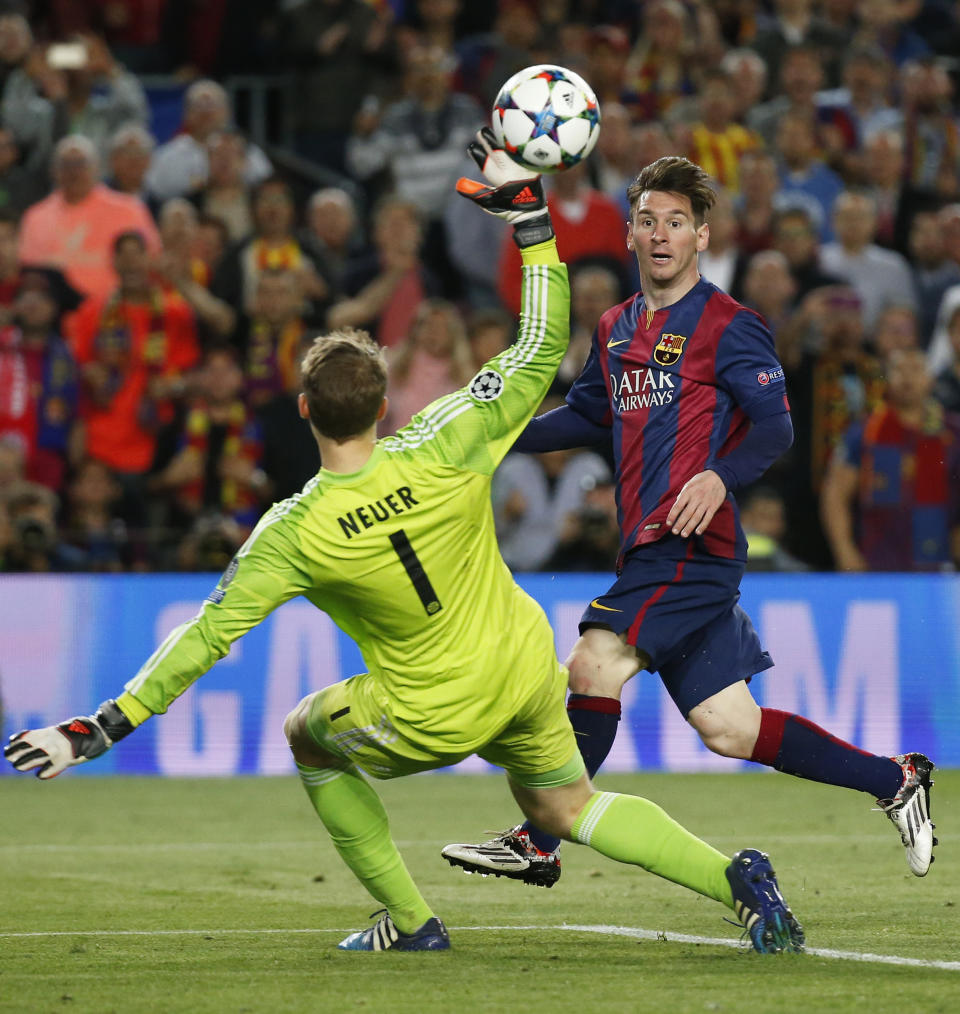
295,724
599,673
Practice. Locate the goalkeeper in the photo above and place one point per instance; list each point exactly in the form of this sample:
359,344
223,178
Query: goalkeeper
394,539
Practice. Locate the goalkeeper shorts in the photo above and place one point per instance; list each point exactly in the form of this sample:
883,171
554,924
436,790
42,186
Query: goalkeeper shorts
536,748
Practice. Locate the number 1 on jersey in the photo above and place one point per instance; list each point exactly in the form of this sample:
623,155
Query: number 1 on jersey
416,573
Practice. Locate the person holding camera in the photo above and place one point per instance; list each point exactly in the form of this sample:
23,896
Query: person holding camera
34,543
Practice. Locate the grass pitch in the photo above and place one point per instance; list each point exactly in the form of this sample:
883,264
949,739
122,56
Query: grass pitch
152,895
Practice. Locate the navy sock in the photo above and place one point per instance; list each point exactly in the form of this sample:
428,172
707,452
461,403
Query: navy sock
594,721
796,746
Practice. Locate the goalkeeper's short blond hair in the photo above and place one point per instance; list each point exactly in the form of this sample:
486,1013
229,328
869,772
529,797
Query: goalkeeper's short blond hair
344,379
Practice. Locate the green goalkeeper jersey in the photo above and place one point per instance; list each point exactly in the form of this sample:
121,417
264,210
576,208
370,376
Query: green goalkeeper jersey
403,556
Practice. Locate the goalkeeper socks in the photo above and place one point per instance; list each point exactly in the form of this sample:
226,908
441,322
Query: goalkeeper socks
796,746
634,830
594,721
353,814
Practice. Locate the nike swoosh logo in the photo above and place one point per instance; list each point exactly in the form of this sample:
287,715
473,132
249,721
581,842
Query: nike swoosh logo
596,605
622,341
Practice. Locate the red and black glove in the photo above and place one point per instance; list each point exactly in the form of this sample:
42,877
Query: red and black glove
511,192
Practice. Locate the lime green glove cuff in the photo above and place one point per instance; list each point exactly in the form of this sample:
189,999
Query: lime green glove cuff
541,253
137,713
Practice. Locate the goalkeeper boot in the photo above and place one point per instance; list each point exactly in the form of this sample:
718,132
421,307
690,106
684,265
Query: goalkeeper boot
759,905
383,935
909,810
510,854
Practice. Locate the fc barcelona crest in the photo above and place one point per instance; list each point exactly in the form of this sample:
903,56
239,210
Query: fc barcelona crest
669,349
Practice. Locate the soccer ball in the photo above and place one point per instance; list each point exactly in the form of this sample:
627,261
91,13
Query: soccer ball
547,118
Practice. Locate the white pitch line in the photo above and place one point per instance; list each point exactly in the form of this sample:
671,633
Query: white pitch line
180,846
635,933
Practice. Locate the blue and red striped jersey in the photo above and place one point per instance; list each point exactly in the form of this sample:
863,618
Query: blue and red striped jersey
679,387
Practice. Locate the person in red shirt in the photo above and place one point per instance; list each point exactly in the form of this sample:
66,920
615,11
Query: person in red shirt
133,347
589,227
38,378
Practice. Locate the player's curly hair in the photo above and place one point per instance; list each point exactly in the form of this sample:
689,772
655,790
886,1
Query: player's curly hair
674,174
344,379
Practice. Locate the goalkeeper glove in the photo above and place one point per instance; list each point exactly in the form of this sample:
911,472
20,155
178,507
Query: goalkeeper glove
511,193
58,747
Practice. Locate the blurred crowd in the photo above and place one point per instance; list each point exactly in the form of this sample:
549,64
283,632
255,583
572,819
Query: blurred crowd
157,289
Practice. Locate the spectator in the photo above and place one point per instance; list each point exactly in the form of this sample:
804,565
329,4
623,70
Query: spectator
433,361
290,455
129,151
721,263
91,524
488,58
273,245
9,265
416,148
608,50
12,466
181,269
336,49
795,22
210,544
593,290
940,353
932,133
24,108
212,242
800,80
660,67
804,177
879,276
949,222
891,500
133,347
755,207
863,102
884,23
796,237
884,162
269,338
933,272
226,194
763,515
748,73
614,163
946,388
332,232
99,95
717,140
75,227
770,289
39,381
896,329
589,537
217,466
383,287
589,228
180,168
832,381
533,495
35,545
489,332
19,188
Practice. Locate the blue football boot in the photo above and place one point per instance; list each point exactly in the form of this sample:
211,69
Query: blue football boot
759,905
383,935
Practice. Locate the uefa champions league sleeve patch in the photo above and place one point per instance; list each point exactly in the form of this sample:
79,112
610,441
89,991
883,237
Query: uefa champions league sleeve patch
218,593
487,385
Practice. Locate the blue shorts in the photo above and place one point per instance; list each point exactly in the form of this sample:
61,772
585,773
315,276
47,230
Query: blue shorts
677,604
